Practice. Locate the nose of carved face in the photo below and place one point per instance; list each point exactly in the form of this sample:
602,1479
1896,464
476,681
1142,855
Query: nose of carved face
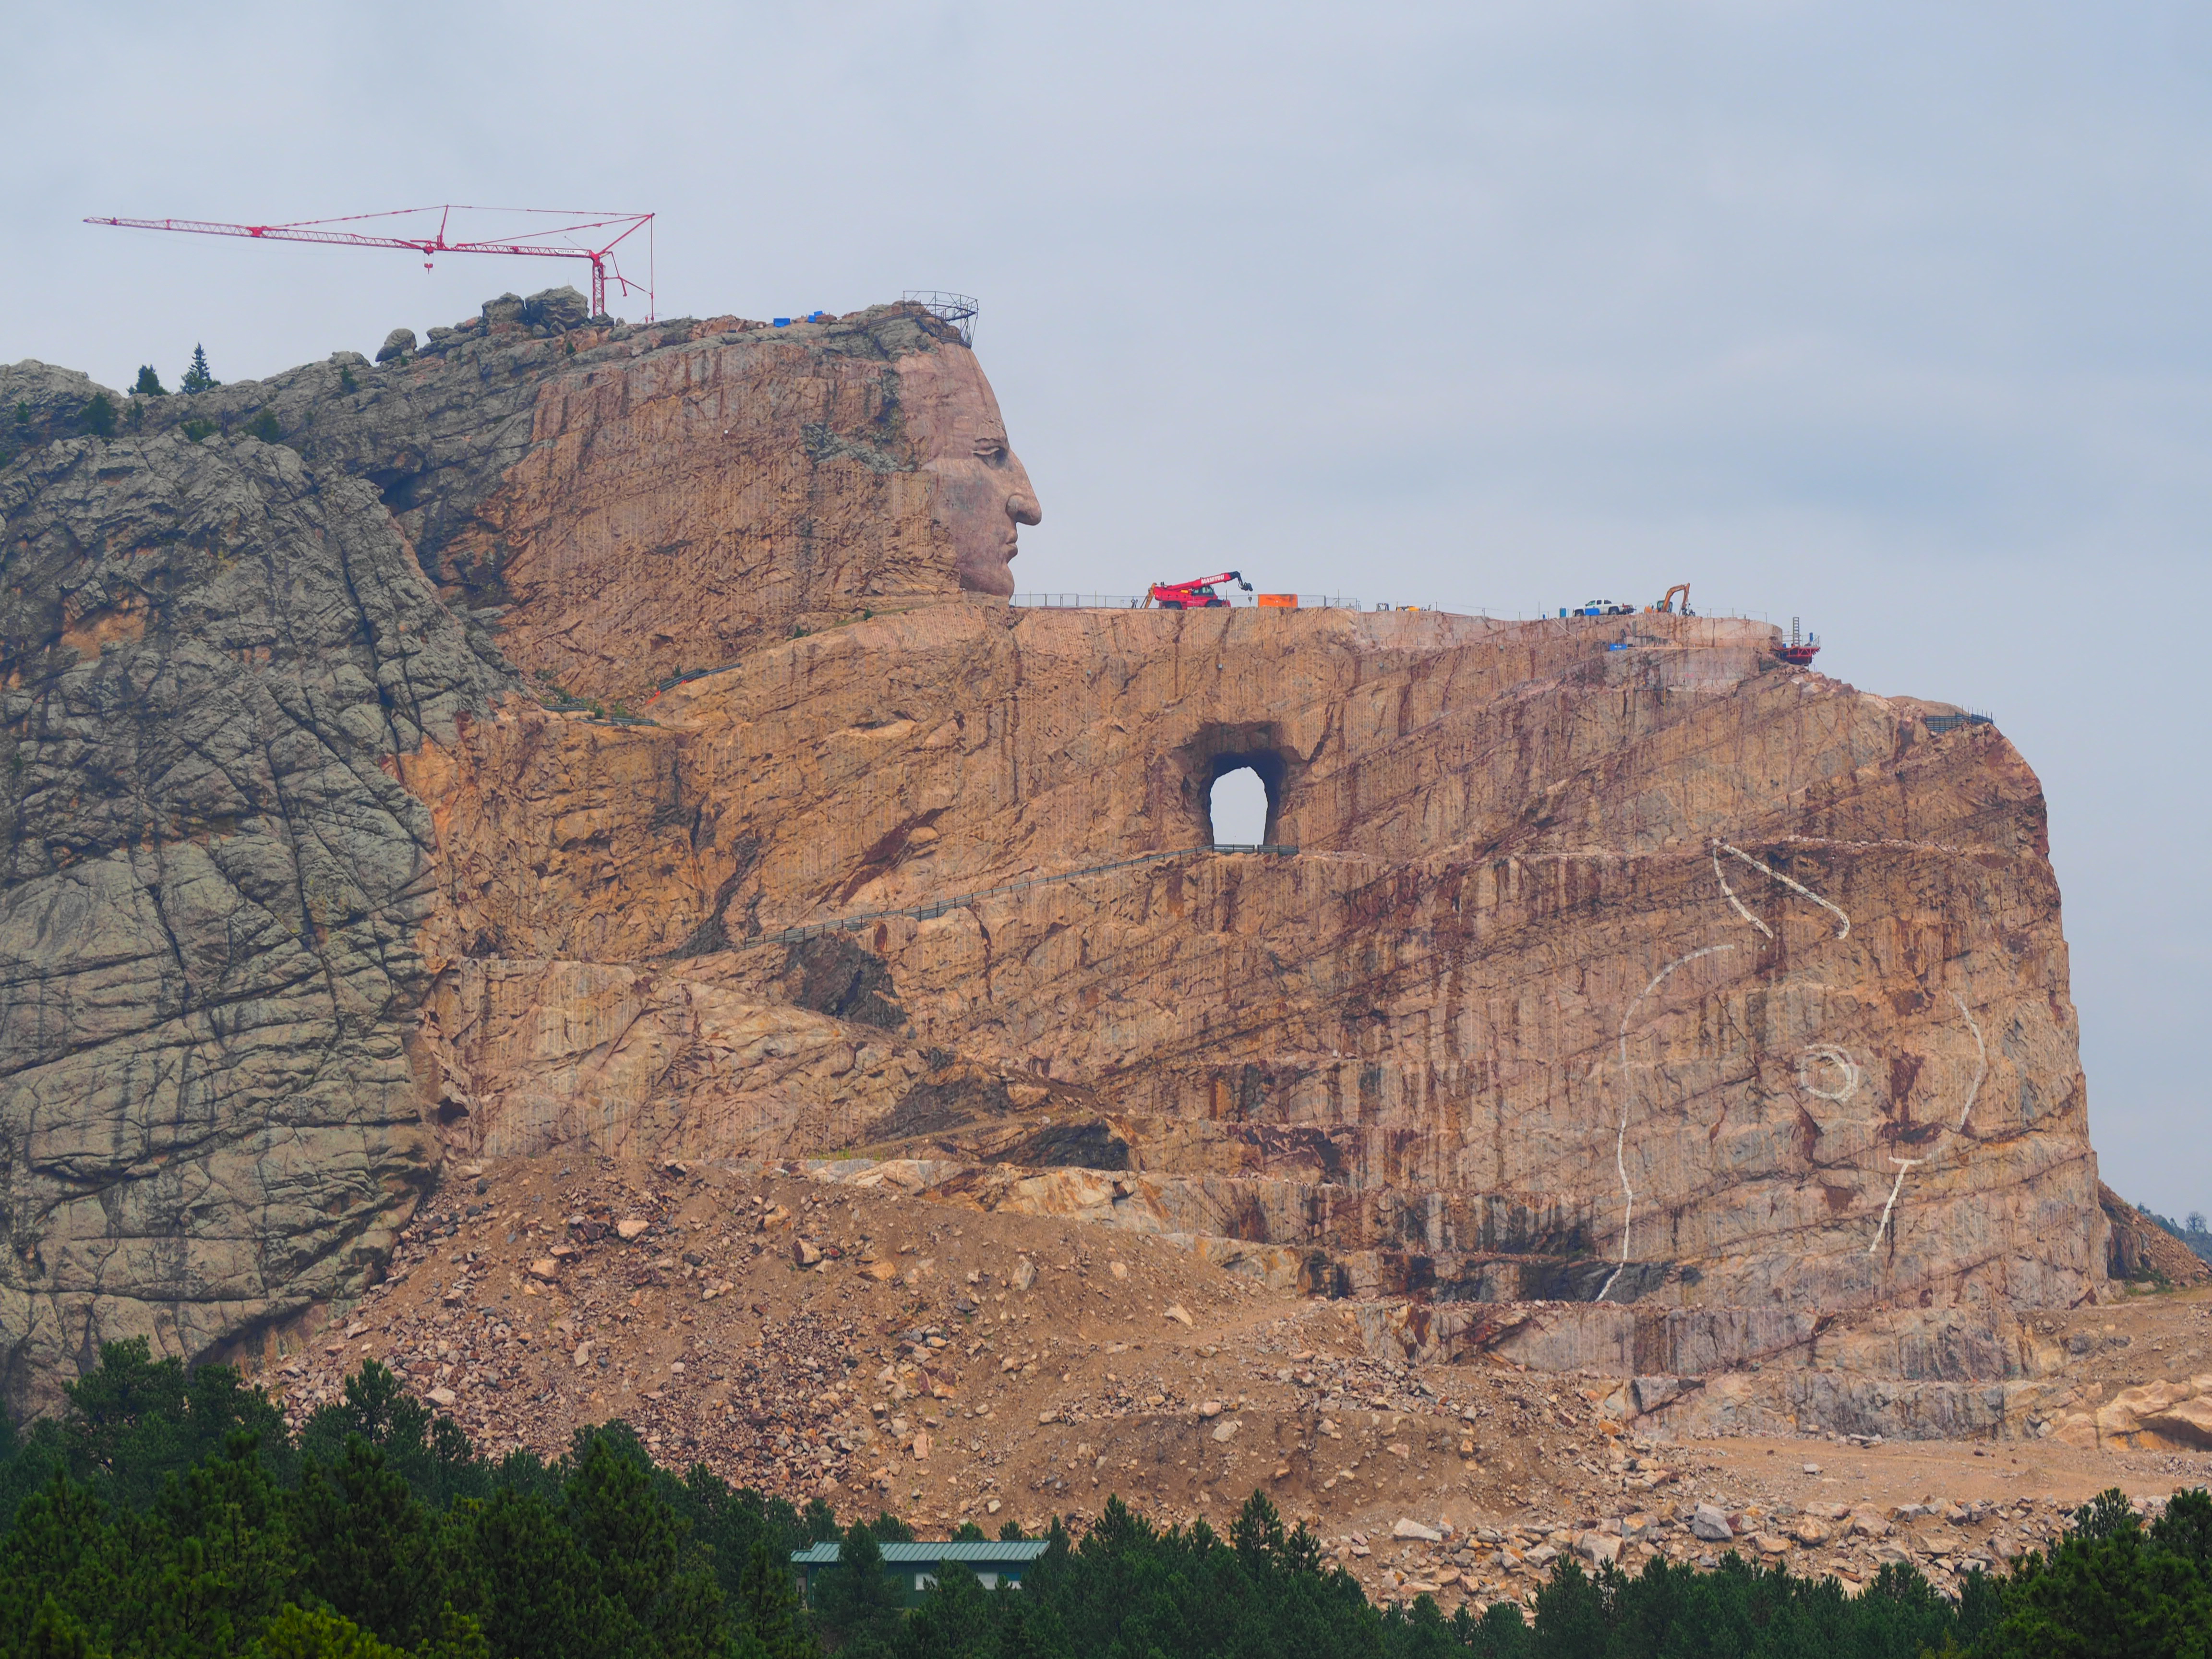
998,478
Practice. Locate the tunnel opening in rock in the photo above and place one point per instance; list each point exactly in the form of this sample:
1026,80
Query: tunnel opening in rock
1220,765
1240,807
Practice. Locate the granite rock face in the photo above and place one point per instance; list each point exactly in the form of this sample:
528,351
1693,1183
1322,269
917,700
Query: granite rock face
212,888
1631,1002
2141,1250
225,632
626,504
1712,1000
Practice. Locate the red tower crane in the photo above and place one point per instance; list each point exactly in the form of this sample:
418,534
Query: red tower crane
553,242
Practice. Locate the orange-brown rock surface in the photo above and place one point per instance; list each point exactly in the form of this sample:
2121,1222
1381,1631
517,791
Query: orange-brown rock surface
1630,1002
1714,997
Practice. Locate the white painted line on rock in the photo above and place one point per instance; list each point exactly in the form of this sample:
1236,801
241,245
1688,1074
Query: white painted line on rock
1903,1164
1973,1091
1728,893
1628,1101
1839,1058
1981,1060
1843,932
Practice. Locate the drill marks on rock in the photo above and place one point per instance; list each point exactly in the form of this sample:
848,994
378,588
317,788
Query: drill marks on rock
1841,1075
1628,1103
1825,1054
1794,886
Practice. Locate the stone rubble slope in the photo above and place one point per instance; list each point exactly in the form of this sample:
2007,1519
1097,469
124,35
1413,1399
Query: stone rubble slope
809,1338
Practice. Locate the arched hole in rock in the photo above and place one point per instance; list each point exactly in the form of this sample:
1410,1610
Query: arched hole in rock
1239,806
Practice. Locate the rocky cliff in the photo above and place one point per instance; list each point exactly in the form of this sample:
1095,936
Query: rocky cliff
1630,1001
212,889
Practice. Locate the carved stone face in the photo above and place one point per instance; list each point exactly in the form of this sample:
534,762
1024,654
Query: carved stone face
983,494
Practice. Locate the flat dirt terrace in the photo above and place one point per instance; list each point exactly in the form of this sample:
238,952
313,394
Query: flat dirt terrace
948,1364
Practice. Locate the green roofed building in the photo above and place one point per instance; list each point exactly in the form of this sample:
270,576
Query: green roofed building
912,1568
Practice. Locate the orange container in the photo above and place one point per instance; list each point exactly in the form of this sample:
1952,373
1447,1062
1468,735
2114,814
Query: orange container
1280,601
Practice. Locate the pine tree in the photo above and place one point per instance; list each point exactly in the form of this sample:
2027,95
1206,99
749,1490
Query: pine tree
768,1604
854,1600
366,1544
820,1521
647,1567
524,1578
100,417
196,379
55,1635
297,1633
149,383
63,1545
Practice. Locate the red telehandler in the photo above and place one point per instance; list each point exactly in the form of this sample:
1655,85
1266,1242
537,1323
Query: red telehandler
1196,594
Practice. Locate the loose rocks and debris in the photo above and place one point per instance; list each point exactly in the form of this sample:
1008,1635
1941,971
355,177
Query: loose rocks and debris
949,1364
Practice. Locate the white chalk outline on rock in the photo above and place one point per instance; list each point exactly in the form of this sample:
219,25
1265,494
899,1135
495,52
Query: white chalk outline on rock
1720,847
1841,1060
1728,893
1973,1089
1896,1186
1628,1103
1981,1060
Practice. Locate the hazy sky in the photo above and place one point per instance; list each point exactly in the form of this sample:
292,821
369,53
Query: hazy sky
1892,316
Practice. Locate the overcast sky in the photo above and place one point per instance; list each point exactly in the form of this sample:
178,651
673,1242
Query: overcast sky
1892,316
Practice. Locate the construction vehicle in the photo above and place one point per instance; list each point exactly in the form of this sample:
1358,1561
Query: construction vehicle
1666,606
1196,594
1802,649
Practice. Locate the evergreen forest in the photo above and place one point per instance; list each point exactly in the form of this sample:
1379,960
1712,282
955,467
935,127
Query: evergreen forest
171,1514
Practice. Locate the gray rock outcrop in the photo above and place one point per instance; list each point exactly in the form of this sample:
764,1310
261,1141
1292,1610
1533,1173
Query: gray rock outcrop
556,309
212,890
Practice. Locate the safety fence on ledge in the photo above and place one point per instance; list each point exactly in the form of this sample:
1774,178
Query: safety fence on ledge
1939,724
1138,601
1239,601
927,912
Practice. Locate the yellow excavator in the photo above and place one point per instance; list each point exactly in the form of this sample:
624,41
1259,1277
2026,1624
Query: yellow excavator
1666,606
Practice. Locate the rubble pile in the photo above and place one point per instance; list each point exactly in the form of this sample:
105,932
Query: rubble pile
1849,1542
811,1339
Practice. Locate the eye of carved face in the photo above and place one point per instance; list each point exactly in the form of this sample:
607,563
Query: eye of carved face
990,447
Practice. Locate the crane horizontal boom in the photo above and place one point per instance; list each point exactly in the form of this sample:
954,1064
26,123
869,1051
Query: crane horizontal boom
529,244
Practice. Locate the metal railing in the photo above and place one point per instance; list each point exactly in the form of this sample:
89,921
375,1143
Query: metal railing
1939,724
938,907
1138,601
957,309
1339,602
